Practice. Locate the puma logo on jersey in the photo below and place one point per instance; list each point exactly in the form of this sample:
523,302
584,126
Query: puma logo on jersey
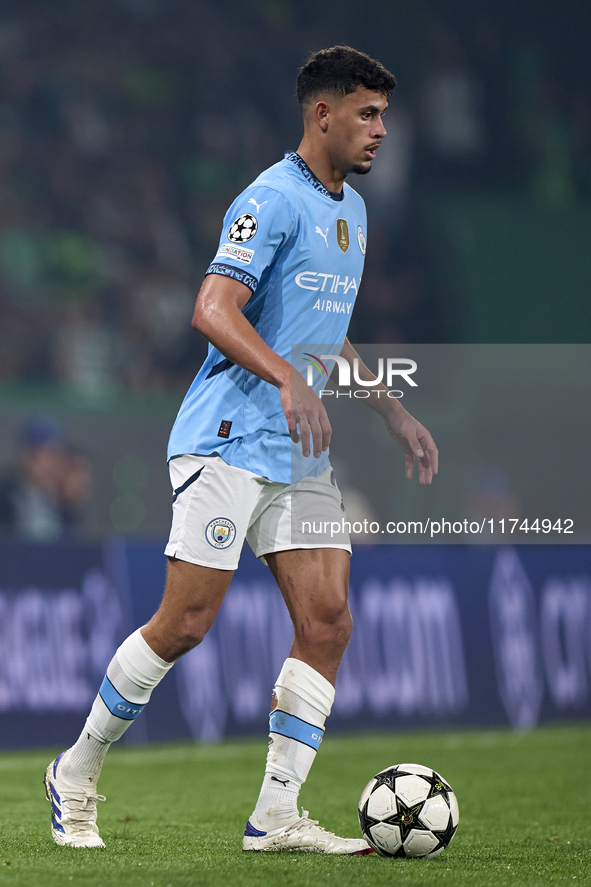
322,234
258,205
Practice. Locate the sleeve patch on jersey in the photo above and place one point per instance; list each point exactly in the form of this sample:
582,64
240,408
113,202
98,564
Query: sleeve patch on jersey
243,229
236,273
240,253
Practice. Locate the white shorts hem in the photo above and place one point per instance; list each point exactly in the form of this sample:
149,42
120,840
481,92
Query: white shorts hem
306,545
180,555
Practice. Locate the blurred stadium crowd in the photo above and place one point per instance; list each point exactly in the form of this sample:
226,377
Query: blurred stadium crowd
127,126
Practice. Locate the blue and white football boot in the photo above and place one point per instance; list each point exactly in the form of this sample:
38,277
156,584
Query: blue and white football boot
304,835
73,818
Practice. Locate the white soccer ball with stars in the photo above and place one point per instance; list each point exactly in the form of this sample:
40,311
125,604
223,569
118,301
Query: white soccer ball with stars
408,810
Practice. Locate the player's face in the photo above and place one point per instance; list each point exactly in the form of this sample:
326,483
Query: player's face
356,129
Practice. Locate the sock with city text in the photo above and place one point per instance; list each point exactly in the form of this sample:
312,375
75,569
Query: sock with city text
296,726
131,676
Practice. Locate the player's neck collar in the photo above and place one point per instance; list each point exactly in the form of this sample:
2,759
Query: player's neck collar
309,175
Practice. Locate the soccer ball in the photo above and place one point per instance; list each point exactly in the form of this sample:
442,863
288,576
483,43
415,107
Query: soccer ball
408,810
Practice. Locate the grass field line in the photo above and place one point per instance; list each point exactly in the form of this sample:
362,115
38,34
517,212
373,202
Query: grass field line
253,749
144,758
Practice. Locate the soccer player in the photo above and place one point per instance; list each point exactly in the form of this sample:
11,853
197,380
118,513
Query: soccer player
286,272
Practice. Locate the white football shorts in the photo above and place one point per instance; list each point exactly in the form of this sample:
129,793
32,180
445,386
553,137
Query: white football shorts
216,506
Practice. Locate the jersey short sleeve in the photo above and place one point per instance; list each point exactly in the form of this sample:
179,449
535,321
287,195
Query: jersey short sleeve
255,227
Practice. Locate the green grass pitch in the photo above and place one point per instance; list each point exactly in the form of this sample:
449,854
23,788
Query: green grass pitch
175,814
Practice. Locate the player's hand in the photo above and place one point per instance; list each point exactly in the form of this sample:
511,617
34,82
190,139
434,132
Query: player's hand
303,407
416,442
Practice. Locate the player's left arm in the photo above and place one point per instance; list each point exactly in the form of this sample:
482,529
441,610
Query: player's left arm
414,439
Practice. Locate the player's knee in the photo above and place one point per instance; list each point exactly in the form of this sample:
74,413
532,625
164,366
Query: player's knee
343,626
331,627
338,615
192,629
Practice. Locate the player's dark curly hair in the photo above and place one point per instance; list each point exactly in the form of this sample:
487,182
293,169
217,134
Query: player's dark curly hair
340,70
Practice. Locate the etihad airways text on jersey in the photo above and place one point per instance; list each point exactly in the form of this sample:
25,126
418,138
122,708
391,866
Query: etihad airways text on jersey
318,282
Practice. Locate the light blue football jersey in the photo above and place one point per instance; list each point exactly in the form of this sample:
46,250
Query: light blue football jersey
300,249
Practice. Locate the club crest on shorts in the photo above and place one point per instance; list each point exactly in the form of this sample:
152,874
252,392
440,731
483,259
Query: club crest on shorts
220,532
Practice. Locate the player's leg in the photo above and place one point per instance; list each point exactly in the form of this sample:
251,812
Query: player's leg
314,584
212,505
192,597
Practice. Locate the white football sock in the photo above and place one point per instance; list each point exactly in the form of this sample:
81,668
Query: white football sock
296,727
131,676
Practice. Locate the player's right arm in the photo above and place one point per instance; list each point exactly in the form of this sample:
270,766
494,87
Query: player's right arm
218,317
